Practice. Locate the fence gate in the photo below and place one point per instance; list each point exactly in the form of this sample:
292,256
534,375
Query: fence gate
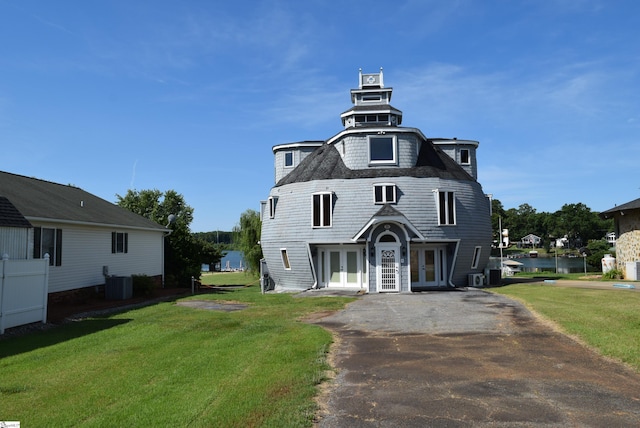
23,292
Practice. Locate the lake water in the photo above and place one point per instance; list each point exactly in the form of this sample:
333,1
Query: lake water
232,260
548,264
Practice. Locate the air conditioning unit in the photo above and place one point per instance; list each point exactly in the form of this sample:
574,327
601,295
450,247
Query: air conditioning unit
476,280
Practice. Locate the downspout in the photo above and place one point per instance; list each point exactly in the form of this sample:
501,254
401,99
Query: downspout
313,268
453,265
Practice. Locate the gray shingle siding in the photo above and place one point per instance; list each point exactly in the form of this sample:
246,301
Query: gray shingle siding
354,206
300,276
342,167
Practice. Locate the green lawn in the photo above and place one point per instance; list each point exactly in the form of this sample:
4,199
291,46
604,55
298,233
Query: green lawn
229,278
168,365
608,320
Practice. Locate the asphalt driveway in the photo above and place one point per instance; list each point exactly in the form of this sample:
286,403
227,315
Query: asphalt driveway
466,359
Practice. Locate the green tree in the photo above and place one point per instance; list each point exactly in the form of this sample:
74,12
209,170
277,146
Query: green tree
596,249
184,253
579,224
221,240
248,237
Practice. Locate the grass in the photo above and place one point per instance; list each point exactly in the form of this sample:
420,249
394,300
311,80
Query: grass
607,320
580,276
169,365
228,278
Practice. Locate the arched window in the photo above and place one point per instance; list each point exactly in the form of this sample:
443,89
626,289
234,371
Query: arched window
387,237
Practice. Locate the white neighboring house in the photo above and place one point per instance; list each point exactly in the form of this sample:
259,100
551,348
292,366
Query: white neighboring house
611,238
85,236
531,240
561,242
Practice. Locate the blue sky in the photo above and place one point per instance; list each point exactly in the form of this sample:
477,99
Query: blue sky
192,95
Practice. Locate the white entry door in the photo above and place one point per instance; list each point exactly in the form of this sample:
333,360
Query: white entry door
388,268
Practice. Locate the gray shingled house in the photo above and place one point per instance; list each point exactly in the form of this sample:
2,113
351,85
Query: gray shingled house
85,236
377,207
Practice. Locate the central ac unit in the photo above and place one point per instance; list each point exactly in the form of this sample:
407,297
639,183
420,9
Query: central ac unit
476,280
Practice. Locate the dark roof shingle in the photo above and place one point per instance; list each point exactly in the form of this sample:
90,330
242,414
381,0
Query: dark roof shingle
10,216
41,199
633,205
325,163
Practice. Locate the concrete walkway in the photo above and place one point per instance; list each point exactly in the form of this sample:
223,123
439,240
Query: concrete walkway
466,359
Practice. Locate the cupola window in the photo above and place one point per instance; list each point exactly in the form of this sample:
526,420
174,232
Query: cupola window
371,97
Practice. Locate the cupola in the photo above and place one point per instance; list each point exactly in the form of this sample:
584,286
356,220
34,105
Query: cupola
371,103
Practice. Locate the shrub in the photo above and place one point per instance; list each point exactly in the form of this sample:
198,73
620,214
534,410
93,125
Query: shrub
596,250
143,285
612,274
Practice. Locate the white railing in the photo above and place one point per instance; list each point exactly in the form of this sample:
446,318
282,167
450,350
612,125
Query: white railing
23,291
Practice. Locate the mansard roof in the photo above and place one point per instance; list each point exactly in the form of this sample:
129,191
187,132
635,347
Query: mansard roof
44,200
325,163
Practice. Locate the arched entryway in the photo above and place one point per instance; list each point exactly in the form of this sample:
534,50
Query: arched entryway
388,262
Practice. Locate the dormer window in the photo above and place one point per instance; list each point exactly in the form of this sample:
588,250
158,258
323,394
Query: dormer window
382,150
288,159
465,158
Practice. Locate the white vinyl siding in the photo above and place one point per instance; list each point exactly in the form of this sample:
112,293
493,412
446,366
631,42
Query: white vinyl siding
14,242
87,250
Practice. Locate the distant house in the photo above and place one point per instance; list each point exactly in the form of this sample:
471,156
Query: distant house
377,207
611,238
561,242
626,219
85,236
531,240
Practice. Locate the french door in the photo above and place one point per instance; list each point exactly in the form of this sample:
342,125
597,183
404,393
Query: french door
342,267
428,267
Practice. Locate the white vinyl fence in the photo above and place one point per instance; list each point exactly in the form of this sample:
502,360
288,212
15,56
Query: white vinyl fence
23,291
